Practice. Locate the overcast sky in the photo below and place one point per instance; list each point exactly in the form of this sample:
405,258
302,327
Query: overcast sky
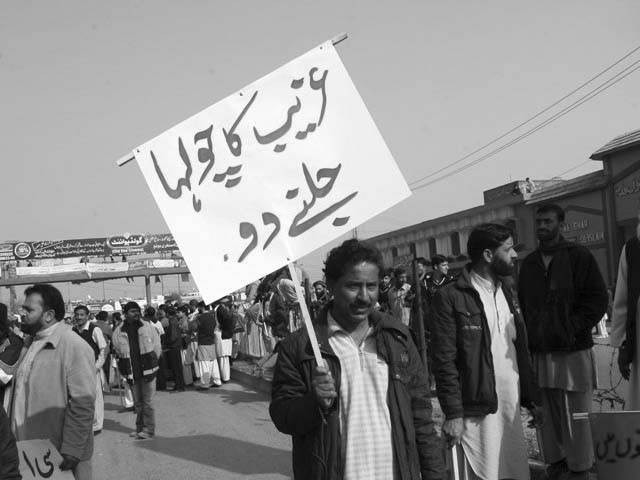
83,83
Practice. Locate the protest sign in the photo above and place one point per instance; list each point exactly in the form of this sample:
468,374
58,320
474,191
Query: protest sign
39,459
271,173
616,444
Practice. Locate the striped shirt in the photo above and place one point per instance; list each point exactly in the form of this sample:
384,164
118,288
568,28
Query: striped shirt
365,422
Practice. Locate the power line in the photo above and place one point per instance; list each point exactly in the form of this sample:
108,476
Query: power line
528,120
601,88
572,168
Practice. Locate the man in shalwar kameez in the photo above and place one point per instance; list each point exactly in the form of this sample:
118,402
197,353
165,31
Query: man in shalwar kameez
624,327
481,361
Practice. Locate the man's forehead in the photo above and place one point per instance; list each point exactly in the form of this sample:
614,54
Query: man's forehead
547,215
361,268
33,299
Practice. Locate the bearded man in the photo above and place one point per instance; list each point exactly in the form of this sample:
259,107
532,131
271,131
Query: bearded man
481,361
563,296
55,384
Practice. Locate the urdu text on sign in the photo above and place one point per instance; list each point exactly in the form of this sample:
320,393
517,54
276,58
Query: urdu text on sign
271,173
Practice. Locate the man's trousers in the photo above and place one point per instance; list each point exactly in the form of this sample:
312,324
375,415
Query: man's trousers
98,416
563,437
145,415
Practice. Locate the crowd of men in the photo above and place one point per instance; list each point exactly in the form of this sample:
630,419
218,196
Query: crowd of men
495,344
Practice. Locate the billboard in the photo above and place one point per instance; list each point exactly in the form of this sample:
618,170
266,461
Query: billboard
126,244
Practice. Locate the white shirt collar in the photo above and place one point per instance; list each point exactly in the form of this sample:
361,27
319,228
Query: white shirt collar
485,284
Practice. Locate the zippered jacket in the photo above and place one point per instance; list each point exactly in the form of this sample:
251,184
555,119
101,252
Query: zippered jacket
317,442
9,460
463,362
562,306
150,350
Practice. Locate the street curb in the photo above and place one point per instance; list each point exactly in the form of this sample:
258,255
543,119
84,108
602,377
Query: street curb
537,469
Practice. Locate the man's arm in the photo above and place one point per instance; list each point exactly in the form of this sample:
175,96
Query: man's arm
445,353
155,338
427,440
294,408
9,460
619,312
98,337
79,364
591,298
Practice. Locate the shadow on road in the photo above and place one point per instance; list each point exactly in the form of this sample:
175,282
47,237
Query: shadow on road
225,453
115,426
234,397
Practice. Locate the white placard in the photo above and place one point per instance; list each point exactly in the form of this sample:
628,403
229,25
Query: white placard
616,444
271,173
39,459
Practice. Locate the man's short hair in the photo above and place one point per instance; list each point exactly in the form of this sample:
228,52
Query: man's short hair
130,305
102,316
170,311
350,253
51,298
551,208
422,261
83,308
486,236
184,309
399,271
437,260
149,312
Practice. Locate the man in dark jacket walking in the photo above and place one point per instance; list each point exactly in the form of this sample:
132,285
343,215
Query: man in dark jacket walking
481,361
563,296
366,413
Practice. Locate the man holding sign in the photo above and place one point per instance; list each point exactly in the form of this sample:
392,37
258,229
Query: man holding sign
366,413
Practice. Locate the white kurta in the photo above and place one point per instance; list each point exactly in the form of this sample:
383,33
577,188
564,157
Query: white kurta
619,331
494,444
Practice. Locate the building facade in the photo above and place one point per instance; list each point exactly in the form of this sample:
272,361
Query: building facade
601,213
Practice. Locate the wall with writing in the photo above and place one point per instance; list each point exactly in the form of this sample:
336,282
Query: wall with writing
626,194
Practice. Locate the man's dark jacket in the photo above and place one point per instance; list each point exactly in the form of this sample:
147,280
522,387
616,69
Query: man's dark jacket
205,325
226,321
562,306
463,363
9,461
317,449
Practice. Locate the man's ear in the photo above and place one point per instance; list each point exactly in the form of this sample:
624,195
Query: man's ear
487,254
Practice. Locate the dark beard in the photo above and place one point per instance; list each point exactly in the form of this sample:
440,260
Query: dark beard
29,329
501,268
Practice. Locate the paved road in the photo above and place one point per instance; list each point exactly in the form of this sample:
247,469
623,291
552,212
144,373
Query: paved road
224,433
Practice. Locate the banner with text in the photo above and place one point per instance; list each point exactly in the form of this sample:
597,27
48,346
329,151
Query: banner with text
616,444
271,173
127,244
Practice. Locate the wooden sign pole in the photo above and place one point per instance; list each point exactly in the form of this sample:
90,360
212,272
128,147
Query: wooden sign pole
305,315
